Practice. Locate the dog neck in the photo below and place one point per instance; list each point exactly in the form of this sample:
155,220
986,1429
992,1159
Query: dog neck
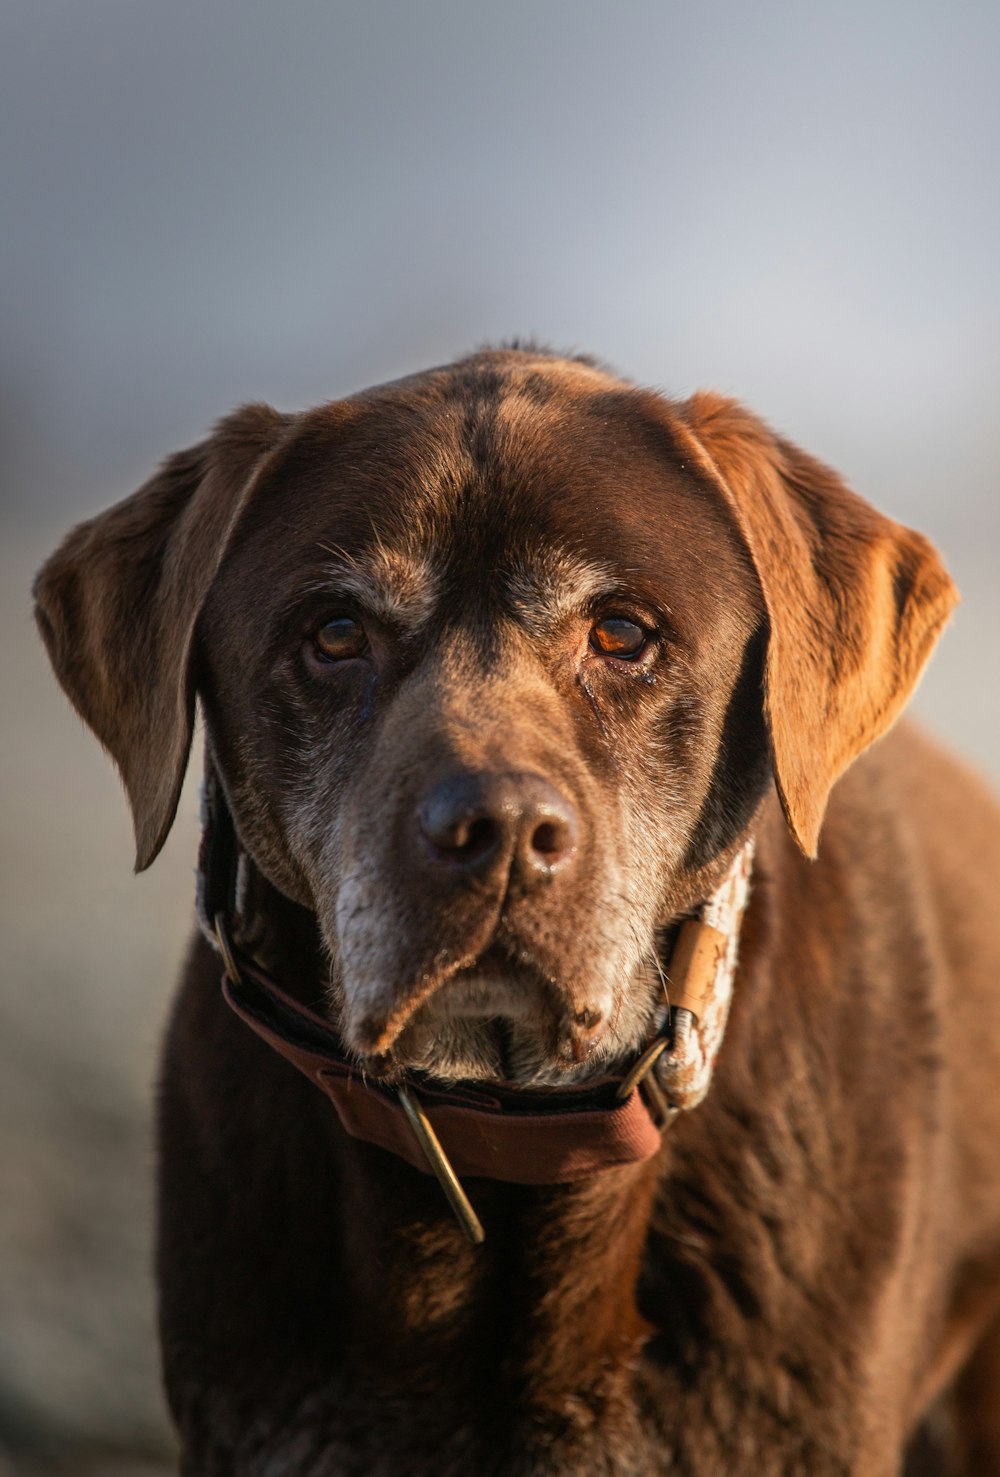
551,1289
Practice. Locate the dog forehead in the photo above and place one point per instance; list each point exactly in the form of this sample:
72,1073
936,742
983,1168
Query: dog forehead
537,482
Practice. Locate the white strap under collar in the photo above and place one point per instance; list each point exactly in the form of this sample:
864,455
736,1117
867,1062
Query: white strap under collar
685,1071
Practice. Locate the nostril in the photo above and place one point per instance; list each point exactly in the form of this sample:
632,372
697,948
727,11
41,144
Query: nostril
472,839
457,827
550,840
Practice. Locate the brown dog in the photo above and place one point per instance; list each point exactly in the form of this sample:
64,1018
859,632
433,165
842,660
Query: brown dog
505,669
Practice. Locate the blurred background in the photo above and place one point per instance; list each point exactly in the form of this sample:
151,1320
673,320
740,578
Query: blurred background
206,203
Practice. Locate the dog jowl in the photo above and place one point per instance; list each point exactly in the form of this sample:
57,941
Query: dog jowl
503,666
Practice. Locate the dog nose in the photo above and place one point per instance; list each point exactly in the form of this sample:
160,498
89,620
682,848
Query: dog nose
482,823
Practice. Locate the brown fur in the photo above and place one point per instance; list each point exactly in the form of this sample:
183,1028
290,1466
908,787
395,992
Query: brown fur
812,1264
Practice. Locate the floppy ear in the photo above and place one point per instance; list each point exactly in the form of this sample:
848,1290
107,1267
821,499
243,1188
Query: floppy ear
855,602
117,603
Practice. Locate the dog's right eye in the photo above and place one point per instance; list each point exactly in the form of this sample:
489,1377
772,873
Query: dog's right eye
341,639
615,636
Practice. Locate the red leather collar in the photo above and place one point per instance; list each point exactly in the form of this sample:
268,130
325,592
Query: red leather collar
496,1131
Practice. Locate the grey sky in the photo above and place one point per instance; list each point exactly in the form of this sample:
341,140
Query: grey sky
209,202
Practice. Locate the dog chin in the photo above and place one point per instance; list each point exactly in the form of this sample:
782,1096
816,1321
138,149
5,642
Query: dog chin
480,1025
488,1025
471,1048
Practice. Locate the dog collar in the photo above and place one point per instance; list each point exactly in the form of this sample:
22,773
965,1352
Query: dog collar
498,1130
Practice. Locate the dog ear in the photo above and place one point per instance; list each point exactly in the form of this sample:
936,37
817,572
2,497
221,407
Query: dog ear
117,604
855,602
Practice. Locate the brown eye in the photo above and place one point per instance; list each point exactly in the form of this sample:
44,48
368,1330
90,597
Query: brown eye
341,639
617,637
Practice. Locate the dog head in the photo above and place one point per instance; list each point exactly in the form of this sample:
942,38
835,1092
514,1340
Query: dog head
497,664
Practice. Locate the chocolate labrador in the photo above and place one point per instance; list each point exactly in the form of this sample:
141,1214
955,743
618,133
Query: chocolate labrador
578,1099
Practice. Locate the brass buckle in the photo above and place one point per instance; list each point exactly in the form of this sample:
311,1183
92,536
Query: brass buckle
641,1074
226,950
441,1165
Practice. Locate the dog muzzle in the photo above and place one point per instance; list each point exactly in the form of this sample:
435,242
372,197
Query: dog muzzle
494,1130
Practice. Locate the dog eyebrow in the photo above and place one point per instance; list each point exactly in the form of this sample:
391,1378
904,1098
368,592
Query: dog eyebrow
557,584
398,587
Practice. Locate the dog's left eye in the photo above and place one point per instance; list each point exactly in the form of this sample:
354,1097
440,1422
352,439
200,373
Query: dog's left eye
617,637
341,639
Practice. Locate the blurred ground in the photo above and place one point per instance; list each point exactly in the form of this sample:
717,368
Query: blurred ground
89,953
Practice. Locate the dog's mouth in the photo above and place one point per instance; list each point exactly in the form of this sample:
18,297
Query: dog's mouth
496,985
503,1018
